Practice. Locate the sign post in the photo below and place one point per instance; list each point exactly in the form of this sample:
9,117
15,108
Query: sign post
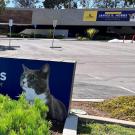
35,26
10,30
54,26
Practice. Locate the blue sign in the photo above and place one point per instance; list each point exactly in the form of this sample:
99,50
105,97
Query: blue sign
116,15
49,80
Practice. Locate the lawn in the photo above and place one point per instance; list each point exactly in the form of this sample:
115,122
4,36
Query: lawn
104,129
119,107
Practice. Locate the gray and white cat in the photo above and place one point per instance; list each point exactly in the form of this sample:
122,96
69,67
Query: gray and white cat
35,84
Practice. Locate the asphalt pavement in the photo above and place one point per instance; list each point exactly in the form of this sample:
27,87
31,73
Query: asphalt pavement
104,70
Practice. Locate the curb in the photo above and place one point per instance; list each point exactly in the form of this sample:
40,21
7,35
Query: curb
89,118
87,100
70,127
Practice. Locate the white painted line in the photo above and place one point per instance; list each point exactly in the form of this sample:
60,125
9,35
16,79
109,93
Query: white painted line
70,127
88,100
126,89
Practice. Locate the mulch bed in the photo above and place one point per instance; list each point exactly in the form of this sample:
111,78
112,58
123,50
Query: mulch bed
89,108
57,128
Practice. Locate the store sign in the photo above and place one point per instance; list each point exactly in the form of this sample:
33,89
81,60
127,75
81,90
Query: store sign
116,16
50,81
90,16
110,16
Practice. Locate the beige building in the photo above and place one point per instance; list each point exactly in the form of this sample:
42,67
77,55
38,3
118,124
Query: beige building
74,20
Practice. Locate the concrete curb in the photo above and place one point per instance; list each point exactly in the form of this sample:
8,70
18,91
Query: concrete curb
70,127
89,118
88,100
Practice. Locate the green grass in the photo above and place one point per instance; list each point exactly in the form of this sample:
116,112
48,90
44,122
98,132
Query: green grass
104,129
120,107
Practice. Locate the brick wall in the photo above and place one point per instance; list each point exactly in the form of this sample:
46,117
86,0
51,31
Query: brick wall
19,16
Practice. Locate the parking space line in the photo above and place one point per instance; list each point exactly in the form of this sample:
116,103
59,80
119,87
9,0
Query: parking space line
126,89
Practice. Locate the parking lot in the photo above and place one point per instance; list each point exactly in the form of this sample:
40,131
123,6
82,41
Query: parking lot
103,69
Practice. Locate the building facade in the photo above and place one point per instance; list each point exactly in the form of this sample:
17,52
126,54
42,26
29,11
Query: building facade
75,20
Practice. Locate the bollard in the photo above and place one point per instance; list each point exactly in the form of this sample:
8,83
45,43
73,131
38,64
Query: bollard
124,38
133,39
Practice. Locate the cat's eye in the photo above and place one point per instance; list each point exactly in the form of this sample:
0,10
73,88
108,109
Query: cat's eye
32,77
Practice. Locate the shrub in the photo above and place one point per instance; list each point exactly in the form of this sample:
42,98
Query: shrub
15,35
50,34
59,36
22,35
21,118
103,37
91,33
120,107
81,38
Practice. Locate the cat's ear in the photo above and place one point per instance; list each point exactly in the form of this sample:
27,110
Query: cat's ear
25,68
45,68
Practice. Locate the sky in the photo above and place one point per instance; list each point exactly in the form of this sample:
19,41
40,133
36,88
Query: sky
11,4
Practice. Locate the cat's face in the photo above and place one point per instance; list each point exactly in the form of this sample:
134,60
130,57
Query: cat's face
35,82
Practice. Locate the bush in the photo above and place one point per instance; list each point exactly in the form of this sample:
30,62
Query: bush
121,107
103,37
50,34
15,35
82,38
21,118
22,35
59,36
91,33
79,38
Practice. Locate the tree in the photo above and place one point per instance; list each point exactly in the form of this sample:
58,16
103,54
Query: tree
88,3
129,3
113,3
26,3
2,6
60,4
106,3
52,4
